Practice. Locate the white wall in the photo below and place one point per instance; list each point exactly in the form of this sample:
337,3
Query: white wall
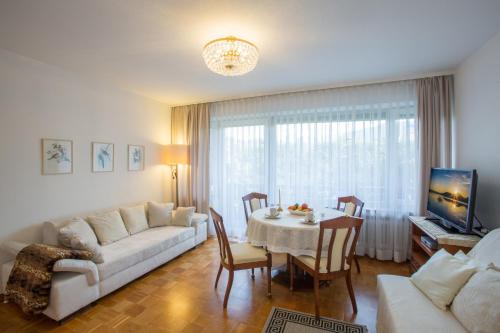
41,101
477,87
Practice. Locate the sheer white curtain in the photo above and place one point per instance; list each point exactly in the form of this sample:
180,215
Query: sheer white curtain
316,146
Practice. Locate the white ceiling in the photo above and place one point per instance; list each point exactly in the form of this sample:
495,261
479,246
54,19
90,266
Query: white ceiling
154,48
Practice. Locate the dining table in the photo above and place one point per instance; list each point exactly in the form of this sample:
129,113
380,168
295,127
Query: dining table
288,233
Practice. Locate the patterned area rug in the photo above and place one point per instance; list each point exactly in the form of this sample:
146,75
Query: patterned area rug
287,321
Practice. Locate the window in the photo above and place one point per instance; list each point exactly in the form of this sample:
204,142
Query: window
314,154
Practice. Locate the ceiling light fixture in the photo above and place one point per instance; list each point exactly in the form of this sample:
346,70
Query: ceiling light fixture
230,56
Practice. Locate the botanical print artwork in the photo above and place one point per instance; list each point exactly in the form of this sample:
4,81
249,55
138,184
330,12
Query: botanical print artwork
57,156
135,158
102,157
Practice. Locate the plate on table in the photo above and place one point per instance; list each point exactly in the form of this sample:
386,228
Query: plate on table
276,217
314,222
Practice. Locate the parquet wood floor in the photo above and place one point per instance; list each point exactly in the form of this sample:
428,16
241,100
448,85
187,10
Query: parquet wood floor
180,297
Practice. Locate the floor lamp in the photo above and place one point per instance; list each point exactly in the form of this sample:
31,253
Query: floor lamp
174,155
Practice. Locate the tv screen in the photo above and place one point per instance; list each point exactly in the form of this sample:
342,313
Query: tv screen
451,197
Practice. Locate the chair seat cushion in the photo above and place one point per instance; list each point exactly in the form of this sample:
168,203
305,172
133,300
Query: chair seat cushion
245,253
129,251
311,262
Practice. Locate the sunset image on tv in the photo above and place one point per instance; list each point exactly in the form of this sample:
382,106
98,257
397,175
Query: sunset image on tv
449,194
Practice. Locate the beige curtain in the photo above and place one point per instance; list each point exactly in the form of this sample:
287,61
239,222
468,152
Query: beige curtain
191,125
434,118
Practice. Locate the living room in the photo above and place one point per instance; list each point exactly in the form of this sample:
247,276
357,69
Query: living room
237,166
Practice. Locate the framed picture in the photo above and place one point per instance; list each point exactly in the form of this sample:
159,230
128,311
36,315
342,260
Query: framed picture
103,157
135,158
57,156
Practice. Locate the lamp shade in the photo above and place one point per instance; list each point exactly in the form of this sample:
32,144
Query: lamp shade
175,154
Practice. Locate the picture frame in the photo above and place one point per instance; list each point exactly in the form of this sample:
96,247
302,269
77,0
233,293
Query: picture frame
57,156
103,157
136,157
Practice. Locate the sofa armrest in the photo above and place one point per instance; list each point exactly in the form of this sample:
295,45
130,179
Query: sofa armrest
86,267
13,247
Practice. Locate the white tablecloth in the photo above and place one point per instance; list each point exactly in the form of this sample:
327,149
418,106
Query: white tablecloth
287,234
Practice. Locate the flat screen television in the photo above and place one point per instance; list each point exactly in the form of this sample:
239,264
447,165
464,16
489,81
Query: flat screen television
452,196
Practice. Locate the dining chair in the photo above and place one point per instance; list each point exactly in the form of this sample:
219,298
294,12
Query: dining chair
253,201
238,256
337,263
350,205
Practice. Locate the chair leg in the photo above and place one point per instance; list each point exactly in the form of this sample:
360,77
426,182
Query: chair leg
228,288
288,261
351,292
357,263
218,276
316,297
253,274
269,280
269,271
262,269
291,270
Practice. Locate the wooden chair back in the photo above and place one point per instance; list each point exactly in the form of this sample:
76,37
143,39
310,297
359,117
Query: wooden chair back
351,199
224,249
253,201
344,233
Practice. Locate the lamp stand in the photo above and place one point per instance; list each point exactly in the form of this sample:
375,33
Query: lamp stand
175,177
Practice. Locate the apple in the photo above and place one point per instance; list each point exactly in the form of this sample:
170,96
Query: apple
304,206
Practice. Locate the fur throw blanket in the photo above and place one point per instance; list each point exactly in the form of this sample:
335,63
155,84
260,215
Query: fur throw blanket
31,277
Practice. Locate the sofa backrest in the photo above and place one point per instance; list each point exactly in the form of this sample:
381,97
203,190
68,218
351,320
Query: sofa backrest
488,249
47,232
50,229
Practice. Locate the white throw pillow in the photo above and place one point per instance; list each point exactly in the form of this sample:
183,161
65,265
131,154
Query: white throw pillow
76,227
477,305
183,216
78,235
160,214
442,276
134,218
108,227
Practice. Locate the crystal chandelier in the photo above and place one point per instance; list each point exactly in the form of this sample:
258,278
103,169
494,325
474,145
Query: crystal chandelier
230,56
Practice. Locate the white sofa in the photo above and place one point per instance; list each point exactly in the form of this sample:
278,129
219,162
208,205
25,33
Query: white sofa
81,282
403,308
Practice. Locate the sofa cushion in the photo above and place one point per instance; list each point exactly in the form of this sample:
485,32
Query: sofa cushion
108,227
77,227
134,218
136,248
404,308
160,214
476,305
78,235
442,276
183,216
487,250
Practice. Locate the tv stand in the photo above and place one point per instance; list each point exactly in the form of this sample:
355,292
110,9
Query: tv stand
450,241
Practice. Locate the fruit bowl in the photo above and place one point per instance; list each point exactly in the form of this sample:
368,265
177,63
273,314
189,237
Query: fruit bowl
300,210
297,212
